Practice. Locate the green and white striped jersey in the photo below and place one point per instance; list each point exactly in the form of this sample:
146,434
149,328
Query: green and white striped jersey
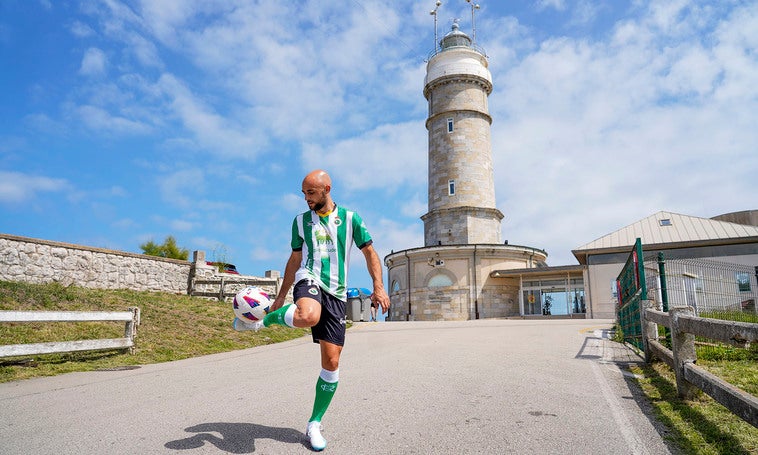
326,243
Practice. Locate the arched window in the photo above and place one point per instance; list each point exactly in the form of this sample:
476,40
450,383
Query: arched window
395,286
440,280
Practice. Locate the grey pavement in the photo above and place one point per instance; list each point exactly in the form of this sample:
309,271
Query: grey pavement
478,387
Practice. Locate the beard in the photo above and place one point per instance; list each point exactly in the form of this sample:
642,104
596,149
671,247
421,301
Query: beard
318,206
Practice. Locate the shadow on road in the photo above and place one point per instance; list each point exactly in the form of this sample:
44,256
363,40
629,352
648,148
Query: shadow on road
235,437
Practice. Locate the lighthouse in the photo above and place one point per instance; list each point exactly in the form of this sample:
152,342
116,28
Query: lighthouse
461,195
449,278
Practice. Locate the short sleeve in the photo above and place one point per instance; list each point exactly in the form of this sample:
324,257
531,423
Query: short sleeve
361,237
297,240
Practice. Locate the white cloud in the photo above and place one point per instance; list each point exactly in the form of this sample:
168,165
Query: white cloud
585,12
665,15
292,202
211,130
391,235
12,144
263,253
144,51
386,156
101,120
18,187
93,63
118,191
559,5
591,136
416,205
166,19
81,30
180,188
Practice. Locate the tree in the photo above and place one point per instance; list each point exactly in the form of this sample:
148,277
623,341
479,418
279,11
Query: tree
168,249
547,305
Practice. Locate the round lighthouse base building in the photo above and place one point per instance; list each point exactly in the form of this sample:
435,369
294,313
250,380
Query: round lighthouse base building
453,282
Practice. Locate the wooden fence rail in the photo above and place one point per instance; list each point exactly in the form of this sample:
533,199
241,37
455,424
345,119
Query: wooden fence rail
228,287
130,317
682,355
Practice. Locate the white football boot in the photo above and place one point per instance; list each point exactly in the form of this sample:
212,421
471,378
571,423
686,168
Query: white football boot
241,326
314,434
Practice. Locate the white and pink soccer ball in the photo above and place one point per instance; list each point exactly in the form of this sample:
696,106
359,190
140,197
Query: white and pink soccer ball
251,304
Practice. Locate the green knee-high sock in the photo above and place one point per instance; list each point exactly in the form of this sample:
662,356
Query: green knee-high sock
324,393
282,316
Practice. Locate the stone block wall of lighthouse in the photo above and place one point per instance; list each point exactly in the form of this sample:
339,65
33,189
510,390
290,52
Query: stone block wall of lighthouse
463,157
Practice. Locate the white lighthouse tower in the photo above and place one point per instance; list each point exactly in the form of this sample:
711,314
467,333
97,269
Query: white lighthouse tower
461,181
449,277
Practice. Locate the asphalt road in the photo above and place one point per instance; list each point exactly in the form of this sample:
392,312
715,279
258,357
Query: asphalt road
484,387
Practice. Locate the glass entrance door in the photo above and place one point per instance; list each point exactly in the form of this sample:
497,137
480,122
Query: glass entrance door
532,302
553,297
554,301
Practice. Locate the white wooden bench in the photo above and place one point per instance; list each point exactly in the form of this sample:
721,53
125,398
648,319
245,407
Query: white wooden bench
130,317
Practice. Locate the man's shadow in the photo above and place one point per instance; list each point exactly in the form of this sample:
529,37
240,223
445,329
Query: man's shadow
235,437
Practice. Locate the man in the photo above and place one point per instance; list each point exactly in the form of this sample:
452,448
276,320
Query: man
321,241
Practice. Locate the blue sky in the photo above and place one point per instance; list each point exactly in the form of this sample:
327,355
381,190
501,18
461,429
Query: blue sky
126,121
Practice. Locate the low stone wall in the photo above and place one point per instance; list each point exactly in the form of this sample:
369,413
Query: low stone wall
41,261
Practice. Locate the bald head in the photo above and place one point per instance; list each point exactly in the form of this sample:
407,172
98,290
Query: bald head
317,188
318,178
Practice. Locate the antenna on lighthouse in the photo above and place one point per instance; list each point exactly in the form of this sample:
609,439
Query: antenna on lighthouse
474,6
434,13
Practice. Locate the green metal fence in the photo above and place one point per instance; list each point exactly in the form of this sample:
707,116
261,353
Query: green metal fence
708,286
631,290
714,289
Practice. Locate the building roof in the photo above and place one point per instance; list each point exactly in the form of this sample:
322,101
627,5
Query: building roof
561,270
672,230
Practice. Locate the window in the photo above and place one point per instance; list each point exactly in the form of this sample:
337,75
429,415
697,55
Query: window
395,286
450,125
451,187
440,280
743,282
532,302
665,222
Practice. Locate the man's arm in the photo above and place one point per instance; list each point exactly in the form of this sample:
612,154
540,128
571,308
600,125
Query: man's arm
374,266
293,263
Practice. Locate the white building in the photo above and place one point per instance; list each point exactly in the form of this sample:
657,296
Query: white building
590,286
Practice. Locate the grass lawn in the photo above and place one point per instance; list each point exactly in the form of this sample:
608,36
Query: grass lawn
173,327
701,425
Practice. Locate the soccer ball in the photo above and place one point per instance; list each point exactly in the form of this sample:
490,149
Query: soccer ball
251,304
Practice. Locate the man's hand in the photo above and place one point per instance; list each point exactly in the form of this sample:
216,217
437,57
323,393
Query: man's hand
278,303
380,298
289,278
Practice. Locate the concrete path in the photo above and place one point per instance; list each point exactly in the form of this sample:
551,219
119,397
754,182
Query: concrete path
484,387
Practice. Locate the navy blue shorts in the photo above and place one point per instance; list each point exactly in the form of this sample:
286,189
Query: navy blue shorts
331,326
